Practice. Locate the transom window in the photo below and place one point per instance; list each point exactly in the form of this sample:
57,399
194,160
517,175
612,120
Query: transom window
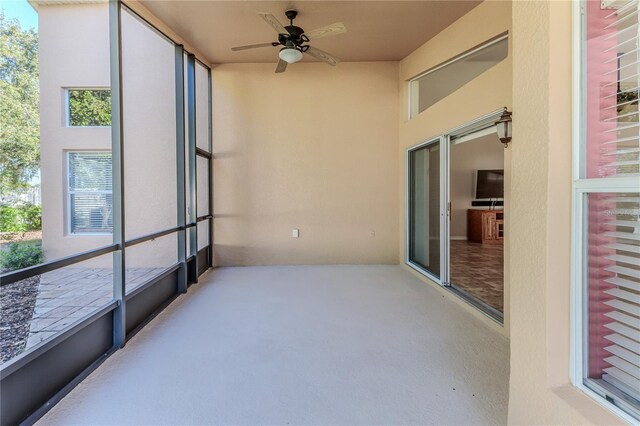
441,81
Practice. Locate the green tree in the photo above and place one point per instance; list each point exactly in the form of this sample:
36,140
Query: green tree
19,105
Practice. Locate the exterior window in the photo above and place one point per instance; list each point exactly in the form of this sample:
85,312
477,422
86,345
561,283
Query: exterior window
88,107
441,81
90,193
607,199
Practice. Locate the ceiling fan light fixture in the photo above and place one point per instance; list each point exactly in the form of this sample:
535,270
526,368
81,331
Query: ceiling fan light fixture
293,39
290,55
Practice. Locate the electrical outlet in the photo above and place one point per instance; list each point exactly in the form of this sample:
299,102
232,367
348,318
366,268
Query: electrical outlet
295,233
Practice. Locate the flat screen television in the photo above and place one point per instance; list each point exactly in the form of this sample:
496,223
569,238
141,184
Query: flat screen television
490,184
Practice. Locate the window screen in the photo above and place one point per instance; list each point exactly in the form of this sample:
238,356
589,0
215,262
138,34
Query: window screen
90,193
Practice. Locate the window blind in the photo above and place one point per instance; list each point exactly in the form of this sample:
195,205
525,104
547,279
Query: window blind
614,277
613,74
90,192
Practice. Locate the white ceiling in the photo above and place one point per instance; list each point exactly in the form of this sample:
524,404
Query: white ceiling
376,30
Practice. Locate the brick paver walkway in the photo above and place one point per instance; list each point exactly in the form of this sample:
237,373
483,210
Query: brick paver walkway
69,294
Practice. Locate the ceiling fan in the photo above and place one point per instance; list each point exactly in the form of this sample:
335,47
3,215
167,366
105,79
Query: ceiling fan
293,39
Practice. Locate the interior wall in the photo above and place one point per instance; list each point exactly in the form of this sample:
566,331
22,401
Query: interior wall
312,149
484,153
485,94
540,388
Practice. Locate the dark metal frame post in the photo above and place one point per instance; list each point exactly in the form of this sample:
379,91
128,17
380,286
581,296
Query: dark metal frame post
117,148
210,118
180,158
191,125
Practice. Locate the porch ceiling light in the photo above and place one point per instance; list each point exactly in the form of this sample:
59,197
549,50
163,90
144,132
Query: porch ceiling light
503,127
290,55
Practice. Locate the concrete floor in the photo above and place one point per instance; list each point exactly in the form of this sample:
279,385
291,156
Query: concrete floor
302,345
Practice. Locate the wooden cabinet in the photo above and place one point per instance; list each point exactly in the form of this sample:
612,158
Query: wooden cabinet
485,226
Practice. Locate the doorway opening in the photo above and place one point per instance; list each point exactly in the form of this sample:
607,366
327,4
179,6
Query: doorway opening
455,213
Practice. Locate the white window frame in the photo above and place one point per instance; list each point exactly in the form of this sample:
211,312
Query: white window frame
67,112
581,187
70,192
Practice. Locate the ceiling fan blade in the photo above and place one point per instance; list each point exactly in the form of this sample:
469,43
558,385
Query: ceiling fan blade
273,21
323,56
251,46
281,67
327,31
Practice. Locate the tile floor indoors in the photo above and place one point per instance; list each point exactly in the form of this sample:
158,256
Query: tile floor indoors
302,345
478,269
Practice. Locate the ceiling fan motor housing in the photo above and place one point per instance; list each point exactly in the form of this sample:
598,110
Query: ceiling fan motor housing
296,34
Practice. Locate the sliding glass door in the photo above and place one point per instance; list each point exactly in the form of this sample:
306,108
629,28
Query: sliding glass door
455,218
424,208
476,219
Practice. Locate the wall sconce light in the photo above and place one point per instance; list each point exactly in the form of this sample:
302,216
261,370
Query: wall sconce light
503,127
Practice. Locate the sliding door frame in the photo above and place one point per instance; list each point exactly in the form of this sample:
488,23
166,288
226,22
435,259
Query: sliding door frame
481,123
431,141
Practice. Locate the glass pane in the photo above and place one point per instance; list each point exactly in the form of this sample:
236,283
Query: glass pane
190,212
90,213
613,289
612,77
149,259
89,191
424,235
203,234
90,171
203,186
149,107
436,85
476,173
89,107
187,158
36,309
202,107
188,243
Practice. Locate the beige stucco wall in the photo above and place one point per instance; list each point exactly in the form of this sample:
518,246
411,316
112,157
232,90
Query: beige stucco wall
313,149
540,389
487,93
